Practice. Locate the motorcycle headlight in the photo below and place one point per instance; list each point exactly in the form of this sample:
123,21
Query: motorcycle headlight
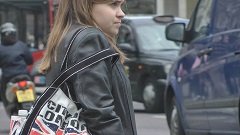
167,68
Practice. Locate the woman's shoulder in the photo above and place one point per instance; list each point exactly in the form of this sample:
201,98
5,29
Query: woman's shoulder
92,32
85,30
87,35
79,33
88,41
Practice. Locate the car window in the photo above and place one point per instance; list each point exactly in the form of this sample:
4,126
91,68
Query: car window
152,37
226,28
202,20
124,35
227,15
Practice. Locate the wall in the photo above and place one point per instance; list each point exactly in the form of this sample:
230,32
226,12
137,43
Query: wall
179,8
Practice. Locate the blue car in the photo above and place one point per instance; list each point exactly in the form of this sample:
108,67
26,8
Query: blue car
203,86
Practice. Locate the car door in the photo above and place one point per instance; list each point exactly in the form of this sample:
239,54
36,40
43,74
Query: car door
191,69
212,72
222,68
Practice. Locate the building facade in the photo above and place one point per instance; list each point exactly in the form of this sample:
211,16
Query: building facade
179,8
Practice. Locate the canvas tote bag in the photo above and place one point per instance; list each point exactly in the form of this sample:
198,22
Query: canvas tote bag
54,113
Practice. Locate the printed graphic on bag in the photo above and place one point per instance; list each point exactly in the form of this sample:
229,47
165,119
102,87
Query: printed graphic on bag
59,116
55,119
16,124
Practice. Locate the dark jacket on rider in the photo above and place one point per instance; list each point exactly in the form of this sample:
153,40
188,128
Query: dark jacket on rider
14,59
103,91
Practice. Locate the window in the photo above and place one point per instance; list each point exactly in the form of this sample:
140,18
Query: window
227,15
124,35
31,19
152,38
202,20
140,7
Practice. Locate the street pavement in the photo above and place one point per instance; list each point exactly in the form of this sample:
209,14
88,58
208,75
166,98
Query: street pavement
147,123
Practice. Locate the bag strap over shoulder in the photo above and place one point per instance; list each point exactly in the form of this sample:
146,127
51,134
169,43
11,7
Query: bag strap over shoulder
83,64
71,38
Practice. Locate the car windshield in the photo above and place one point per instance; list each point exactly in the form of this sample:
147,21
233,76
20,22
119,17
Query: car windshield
152,37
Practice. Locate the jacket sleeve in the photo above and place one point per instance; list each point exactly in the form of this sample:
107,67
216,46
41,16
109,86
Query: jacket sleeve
93,86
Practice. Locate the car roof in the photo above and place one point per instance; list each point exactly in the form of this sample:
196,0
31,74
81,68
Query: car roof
135,17
147,17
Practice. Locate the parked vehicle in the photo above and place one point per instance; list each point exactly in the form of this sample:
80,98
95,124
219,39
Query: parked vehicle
20,94
202,94
150,56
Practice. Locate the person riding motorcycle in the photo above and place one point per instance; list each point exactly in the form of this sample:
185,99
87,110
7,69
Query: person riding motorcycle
14,58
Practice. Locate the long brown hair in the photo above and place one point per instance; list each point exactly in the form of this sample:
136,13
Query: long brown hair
68,11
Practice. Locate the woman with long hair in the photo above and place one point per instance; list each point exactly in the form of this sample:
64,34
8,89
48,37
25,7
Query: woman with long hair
103,90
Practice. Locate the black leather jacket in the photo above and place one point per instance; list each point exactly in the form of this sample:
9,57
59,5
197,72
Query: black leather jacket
103,91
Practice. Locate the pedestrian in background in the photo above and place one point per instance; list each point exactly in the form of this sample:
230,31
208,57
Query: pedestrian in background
102,90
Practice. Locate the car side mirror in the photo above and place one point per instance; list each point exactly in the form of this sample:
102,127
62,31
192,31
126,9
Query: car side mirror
175,32
126,48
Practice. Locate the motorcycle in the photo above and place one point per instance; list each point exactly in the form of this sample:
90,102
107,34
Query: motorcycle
20,94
